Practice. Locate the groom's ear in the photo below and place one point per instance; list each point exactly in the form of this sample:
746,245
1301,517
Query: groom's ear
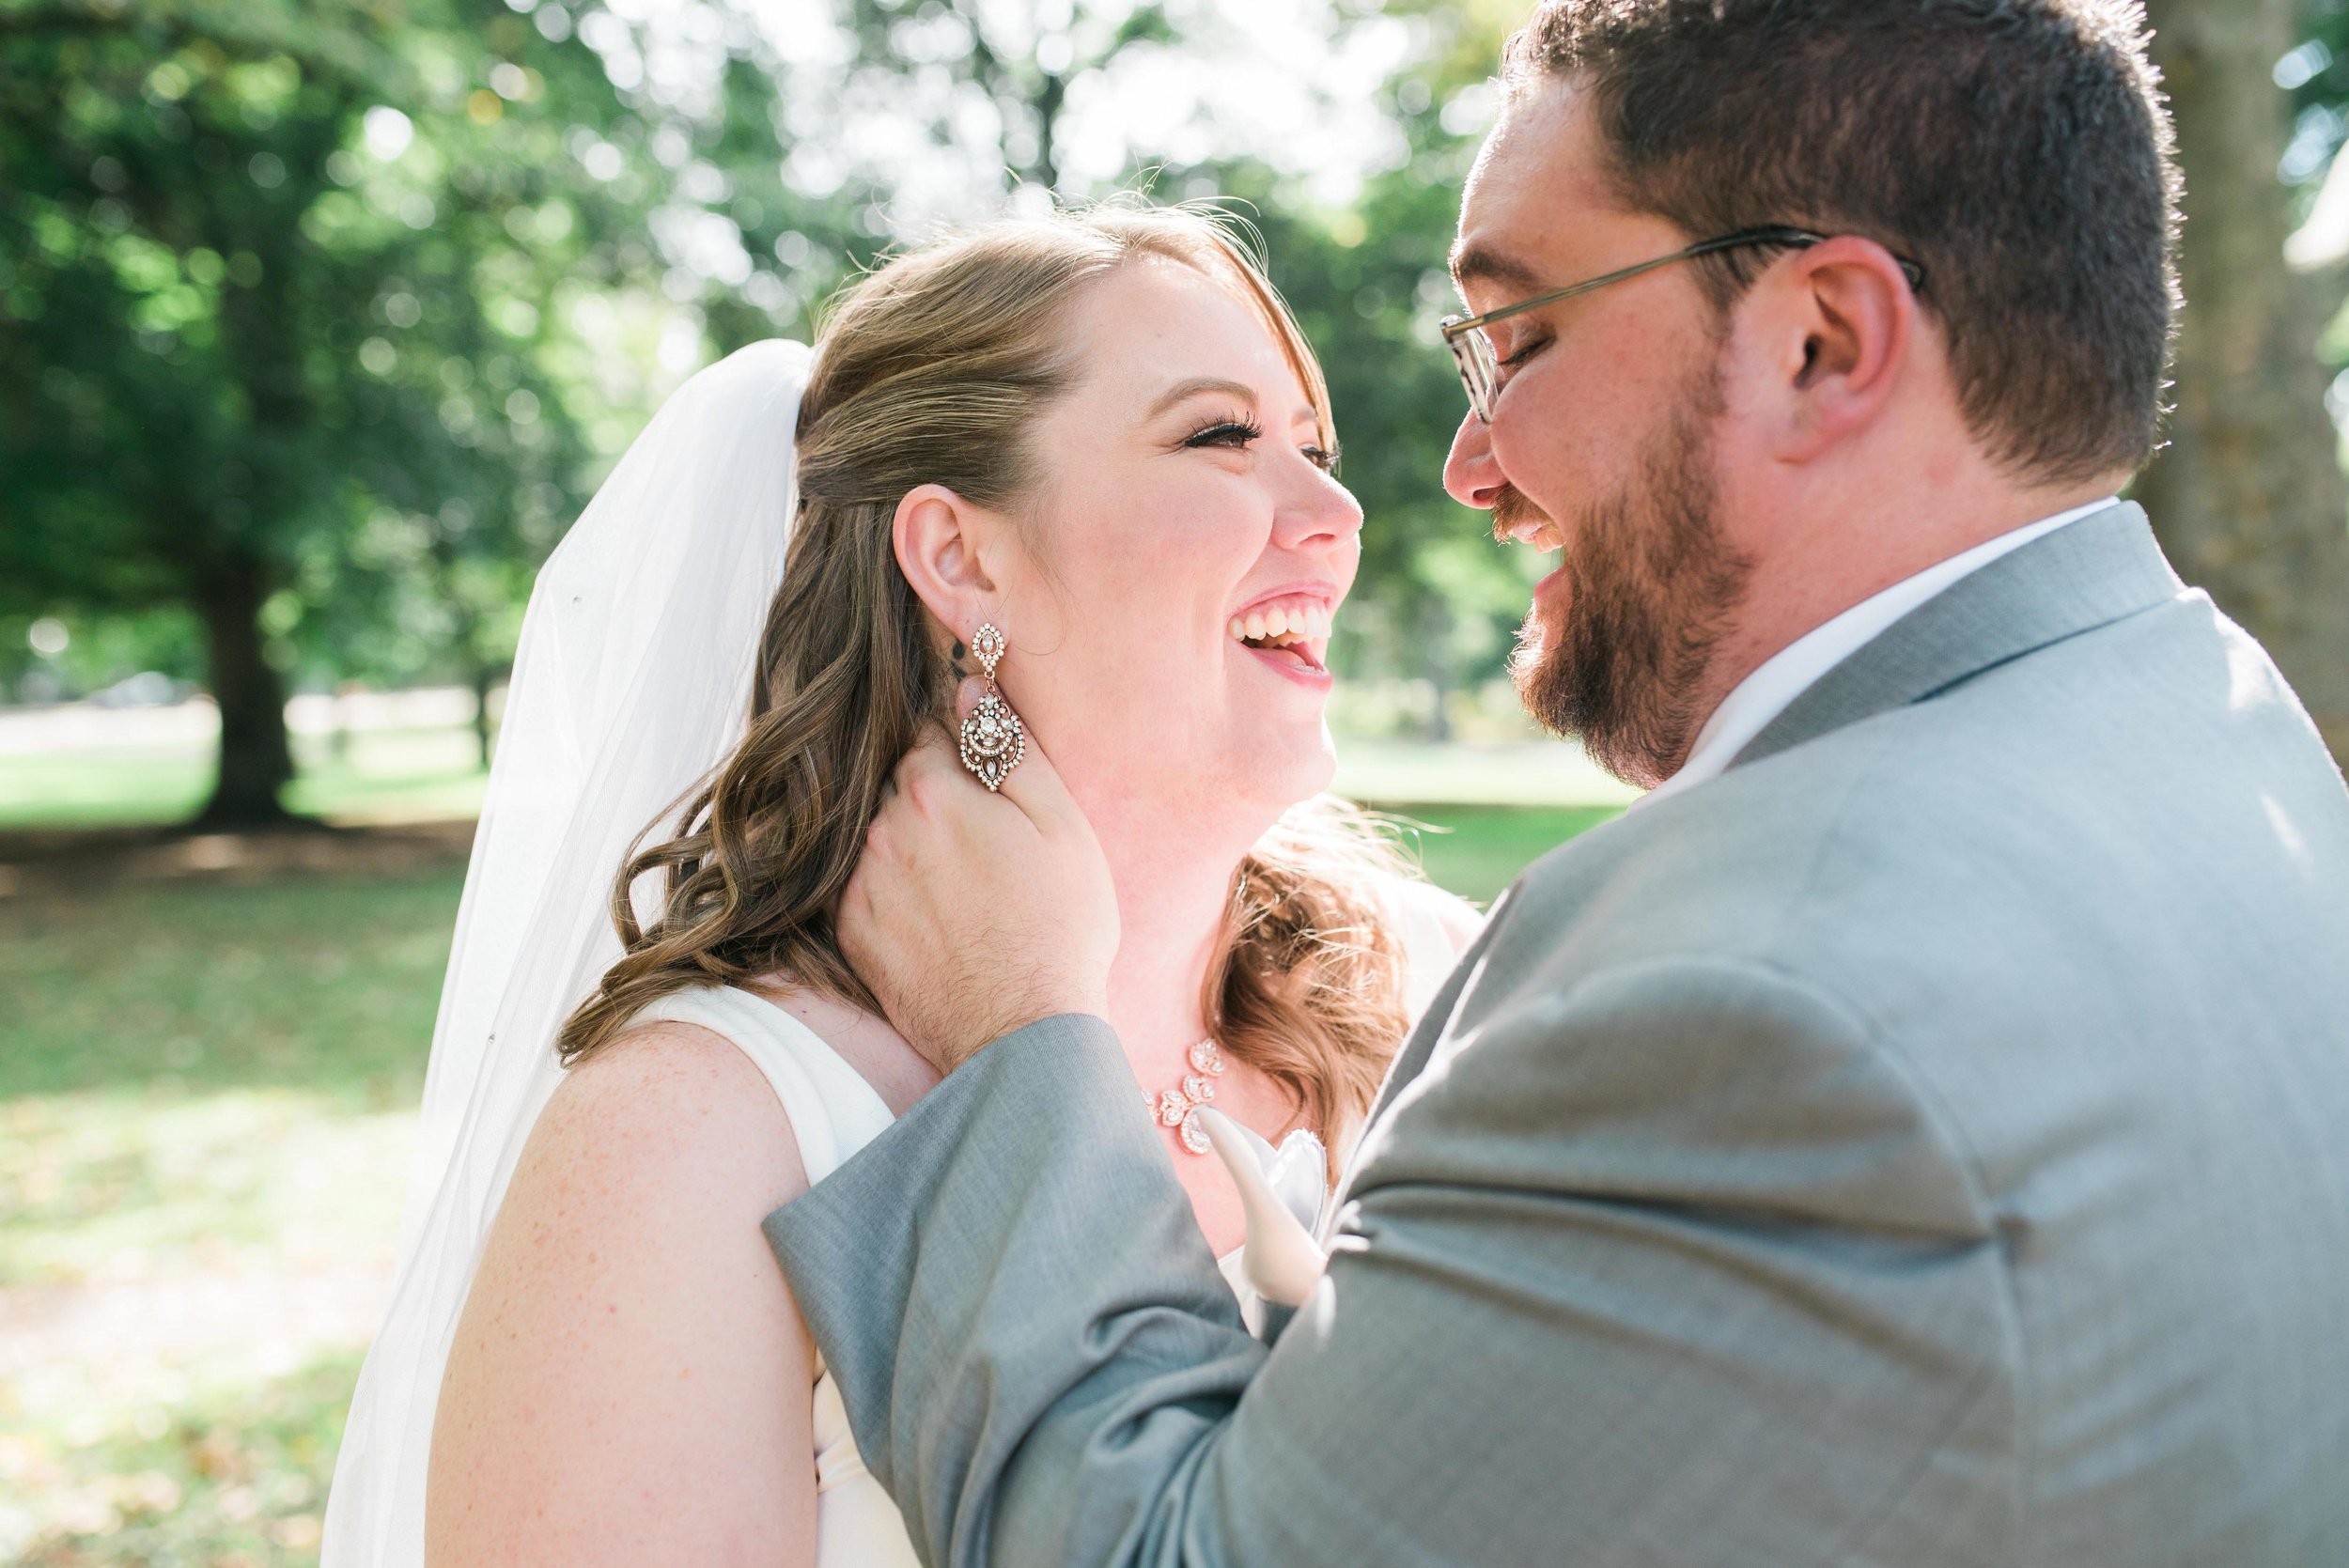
941,543
1843,326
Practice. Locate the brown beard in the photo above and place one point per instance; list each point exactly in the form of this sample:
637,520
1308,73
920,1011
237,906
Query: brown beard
1655,586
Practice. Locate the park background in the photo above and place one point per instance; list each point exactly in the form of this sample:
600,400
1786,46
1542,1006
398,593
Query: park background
320,321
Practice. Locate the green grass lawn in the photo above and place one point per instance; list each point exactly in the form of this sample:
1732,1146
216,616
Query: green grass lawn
207,1113
1477,850
435,774
206,1110
389,775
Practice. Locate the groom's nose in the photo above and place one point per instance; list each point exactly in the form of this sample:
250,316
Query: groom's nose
1469,473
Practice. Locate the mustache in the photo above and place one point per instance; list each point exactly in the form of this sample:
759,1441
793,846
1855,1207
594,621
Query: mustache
1510,508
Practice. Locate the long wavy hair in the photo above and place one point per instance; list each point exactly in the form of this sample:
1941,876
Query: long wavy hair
934,371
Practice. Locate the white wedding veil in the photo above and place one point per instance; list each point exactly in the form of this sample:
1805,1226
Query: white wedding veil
632,682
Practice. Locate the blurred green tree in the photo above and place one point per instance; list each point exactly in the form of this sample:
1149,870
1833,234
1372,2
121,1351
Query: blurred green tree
319,320
1024,60
237,284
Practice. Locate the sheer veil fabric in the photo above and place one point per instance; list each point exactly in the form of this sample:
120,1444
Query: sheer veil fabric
632,682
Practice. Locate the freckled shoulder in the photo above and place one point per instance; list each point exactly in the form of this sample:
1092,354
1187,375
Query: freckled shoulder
677,1103
628,1321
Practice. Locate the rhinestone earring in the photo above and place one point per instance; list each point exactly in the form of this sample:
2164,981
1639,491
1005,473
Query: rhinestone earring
993,739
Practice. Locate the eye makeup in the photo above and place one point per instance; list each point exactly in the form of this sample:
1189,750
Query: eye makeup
1238,431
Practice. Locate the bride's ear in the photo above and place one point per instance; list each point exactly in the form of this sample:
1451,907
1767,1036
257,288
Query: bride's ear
942,542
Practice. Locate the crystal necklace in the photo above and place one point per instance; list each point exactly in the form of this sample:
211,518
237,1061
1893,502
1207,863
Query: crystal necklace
1178,1108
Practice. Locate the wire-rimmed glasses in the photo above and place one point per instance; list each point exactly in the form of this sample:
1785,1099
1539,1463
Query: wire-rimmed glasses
1480,366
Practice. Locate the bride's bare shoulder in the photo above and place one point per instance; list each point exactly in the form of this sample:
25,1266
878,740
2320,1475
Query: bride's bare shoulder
676,1090
628,1320
677,1098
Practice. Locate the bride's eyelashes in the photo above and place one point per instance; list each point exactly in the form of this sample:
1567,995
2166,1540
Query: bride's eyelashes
1236,432
1232,431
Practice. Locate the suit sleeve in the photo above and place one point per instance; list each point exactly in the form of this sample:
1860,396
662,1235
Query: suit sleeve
1673,1269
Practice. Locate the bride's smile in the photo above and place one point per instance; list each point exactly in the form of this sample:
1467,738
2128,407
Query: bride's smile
1289,632
1190,541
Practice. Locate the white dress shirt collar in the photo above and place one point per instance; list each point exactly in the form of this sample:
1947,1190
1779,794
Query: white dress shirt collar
1786,675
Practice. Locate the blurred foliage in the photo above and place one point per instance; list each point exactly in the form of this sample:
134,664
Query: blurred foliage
2315,79
1024,62
320,321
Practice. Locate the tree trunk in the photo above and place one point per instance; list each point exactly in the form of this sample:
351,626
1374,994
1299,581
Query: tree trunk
483,678
2249,497
1050,97
255,760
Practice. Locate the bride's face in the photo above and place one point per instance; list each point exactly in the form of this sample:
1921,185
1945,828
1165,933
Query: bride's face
1186,501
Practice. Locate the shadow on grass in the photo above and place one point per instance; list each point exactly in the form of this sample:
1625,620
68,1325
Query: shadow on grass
321,980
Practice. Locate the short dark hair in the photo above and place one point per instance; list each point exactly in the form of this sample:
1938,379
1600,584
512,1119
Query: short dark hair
2018,149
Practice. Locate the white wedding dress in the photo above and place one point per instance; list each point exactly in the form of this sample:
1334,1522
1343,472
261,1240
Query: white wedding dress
834,1112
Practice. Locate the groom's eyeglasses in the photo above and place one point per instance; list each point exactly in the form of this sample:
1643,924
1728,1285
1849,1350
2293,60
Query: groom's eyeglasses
1480,366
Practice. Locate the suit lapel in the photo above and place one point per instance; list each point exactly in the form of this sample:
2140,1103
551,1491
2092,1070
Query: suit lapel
2082,576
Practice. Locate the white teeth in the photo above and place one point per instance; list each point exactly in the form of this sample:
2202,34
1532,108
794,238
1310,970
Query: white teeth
1297,623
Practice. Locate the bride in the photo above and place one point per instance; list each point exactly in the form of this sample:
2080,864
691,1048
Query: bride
1098,443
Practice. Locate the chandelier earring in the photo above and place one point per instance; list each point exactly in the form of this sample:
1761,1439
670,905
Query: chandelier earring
993,739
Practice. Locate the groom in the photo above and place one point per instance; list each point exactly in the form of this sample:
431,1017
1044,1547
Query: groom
1917,1133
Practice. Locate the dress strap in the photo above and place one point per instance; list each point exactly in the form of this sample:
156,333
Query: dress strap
833,1111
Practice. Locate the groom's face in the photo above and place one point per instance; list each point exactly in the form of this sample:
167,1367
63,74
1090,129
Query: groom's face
1601,444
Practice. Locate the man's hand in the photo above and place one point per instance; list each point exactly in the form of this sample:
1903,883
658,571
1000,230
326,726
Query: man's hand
973,915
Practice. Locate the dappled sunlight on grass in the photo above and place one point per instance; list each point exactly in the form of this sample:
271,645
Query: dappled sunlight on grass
206,1117
78,789
109,1187
194,1469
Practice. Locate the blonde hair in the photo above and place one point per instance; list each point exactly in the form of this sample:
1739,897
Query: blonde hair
934,371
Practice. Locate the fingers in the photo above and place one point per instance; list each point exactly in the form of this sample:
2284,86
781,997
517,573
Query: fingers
1035,788
930,772
935,762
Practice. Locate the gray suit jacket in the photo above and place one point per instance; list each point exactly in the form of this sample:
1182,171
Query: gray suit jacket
1926,1145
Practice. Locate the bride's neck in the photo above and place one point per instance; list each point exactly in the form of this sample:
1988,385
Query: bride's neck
1171,904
